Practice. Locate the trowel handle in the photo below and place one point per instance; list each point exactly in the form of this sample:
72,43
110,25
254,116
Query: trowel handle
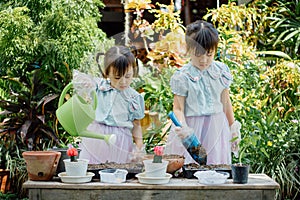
191,143
174,119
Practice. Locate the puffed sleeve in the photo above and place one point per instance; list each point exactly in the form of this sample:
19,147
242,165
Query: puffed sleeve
136,107
226,77
100,84
179,84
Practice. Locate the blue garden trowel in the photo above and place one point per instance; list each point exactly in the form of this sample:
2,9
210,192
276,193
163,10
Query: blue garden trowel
191,143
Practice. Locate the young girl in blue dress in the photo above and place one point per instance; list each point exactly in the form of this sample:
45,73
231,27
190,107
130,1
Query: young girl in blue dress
201,99
119,110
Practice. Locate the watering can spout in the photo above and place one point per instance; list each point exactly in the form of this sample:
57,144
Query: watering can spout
75,115
109,139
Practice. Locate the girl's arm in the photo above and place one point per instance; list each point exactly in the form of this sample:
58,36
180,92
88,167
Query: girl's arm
235,126
178,107
227,106
137,133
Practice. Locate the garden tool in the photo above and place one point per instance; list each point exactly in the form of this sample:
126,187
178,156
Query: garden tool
76,114
191,143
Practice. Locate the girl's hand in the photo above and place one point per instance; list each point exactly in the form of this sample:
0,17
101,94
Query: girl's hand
83,85
236,137
183,131
137,154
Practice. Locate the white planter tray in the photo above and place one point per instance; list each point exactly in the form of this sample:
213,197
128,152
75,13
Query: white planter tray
153,180
76,179
211,177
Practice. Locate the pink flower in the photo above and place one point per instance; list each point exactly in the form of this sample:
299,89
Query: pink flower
159,150
72,152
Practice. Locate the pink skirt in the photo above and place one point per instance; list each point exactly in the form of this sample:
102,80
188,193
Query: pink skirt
98,151
213,133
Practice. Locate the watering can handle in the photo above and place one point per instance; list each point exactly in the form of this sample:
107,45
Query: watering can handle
66,89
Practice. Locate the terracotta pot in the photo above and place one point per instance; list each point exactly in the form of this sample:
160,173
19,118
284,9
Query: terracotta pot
175,161
41,165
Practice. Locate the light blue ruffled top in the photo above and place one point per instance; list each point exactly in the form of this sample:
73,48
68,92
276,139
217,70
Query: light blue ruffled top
118,108
202,88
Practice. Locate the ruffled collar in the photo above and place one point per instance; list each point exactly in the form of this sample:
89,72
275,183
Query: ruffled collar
105,86
214,71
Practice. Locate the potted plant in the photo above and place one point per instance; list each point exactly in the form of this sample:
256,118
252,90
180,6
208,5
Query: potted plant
63,148
41,165
157,167
240,170
74,166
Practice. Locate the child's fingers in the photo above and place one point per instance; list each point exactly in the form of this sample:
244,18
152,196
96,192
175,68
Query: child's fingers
177,128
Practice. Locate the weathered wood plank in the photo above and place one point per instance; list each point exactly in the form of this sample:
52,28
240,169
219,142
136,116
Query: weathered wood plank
259,186
57,194
255,181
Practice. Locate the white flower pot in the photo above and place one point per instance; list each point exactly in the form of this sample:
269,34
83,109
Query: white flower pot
155,169
76,168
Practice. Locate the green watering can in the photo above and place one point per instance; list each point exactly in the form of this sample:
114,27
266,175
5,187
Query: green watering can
76,114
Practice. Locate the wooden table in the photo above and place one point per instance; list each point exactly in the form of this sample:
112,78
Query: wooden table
259,186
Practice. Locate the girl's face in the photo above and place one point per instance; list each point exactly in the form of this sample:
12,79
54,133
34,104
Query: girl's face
120,82
203,61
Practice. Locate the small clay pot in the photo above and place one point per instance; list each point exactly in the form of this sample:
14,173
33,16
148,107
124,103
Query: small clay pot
41,165
240,173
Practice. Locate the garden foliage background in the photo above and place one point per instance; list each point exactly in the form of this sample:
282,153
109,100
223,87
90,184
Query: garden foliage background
42,41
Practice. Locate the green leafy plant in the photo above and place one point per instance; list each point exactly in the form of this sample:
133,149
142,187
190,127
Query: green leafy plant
156,136
28,111
246,20
41,42
18,172
57,32
51,41
163,39
265,98
246,143
279,121
154,86
285,22
8,196
265,101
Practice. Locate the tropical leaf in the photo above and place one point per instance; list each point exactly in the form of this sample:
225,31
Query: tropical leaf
292,34
275,53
